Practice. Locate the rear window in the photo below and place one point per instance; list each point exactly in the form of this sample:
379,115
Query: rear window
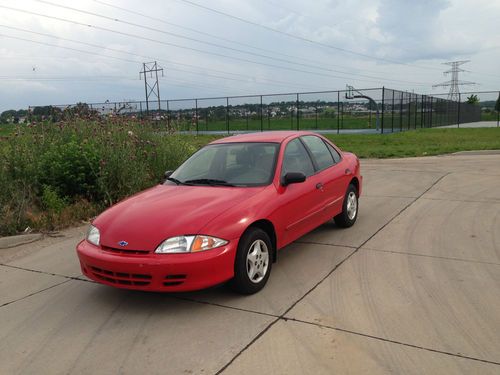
319,151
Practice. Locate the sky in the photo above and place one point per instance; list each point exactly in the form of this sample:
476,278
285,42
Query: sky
63,52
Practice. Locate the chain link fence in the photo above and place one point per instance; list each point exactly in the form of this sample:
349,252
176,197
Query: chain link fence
373,110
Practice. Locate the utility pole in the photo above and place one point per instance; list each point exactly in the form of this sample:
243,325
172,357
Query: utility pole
454,83
154,88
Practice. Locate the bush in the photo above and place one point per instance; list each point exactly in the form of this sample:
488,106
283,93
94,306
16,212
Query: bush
70,169
52,175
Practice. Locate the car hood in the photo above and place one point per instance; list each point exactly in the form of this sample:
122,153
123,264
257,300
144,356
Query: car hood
148,218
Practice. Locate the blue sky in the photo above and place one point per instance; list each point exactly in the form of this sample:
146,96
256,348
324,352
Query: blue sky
288,46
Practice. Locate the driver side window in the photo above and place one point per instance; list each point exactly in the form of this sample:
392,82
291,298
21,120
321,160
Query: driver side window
296,159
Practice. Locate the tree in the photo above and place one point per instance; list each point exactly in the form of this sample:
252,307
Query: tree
473,99
497,104
8,115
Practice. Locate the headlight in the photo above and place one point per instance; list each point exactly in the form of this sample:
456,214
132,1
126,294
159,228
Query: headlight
93,235
186,244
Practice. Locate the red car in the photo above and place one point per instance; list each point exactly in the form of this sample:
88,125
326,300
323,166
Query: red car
224,214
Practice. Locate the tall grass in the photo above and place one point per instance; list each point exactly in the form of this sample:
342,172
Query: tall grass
52,175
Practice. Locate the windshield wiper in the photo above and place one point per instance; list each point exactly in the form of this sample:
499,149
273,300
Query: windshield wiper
208,181
178,182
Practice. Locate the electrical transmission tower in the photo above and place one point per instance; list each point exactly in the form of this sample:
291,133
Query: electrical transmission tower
454,83
151,89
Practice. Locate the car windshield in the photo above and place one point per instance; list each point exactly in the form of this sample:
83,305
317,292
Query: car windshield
229,164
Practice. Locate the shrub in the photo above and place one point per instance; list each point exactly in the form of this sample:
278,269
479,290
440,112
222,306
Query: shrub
55,174
70,170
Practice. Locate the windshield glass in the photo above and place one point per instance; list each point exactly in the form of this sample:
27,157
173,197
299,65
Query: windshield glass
230,164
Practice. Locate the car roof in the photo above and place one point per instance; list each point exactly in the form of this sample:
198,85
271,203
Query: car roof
269,136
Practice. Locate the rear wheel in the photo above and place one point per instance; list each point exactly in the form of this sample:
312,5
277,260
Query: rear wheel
253,262
349,212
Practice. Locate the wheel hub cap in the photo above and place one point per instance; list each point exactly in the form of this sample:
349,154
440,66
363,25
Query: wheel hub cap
257,261
352,205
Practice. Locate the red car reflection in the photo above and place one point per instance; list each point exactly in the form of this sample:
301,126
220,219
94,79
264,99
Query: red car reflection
223,214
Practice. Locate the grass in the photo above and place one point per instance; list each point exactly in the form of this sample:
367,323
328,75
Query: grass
392,120
6,129
54,175
489,116
290,123
422,142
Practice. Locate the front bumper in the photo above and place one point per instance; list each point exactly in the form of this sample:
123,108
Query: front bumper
158,272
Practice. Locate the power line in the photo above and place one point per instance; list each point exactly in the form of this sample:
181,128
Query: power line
256,79
204,33
287,61
169,44
303,39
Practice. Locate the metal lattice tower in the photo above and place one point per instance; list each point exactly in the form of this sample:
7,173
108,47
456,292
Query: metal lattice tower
151,89
454,83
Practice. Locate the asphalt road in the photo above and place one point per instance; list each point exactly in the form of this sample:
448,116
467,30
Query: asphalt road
412,288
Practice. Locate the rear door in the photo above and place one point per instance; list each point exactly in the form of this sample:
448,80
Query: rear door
330,174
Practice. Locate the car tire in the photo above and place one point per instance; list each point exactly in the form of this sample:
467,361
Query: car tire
350,208
253,262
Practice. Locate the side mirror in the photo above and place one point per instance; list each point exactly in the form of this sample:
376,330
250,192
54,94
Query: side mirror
168,173
293,178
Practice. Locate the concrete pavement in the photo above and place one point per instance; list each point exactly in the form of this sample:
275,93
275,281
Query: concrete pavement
412,288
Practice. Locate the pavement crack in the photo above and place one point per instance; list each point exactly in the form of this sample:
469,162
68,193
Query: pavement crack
386,196
492,201
225,306
325,244
458,355
34,293
432,256
43,272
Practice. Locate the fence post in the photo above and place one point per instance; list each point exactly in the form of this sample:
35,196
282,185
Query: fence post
298,127
430,112
196,114
498,112
261,115
409,111
342,118
416,109
392,113
316,113
227,114
140,109
422,123
382,120
168,113
458,110
401,111
338,112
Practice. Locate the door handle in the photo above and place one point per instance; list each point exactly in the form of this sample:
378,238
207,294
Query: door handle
319,186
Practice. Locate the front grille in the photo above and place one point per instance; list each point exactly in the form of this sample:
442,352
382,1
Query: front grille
173,280
124,251
121,278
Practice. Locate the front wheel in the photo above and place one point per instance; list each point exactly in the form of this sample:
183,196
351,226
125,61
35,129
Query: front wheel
349,212
253,262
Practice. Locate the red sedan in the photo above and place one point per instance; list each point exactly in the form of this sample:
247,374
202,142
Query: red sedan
224,214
